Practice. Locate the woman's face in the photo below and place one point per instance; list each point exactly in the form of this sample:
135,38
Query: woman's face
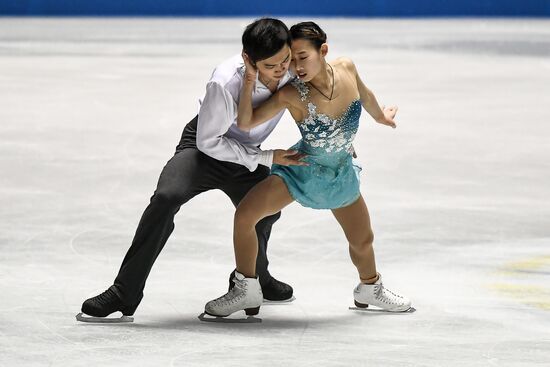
307,60
275,67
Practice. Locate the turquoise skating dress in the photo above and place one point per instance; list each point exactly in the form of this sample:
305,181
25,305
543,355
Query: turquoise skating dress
331,180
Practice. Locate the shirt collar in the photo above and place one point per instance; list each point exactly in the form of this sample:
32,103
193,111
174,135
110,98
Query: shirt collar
258,85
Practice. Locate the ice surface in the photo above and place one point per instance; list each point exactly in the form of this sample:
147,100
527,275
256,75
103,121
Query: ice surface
91,109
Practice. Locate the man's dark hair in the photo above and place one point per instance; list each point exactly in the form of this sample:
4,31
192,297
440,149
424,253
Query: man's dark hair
264,38
309,31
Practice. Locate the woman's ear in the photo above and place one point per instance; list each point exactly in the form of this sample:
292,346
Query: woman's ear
324,49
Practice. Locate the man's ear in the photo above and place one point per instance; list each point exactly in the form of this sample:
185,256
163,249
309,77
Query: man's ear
245,56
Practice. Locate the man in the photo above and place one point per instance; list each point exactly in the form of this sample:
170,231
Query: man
212,154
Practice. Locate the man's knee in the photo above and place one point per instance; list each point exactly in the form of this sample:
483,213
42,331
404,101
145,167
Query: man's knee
168,198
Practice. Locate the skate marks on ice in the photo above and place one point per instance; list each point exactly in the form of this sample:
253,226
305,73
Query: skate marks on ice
82,317
379,310
228,320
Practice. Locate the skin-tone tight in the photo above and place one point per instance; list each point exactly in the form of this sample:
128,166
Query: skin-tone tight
269,197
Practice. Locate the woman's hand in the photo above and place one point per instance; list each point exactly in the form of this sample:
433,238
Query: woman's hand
251,72
389,114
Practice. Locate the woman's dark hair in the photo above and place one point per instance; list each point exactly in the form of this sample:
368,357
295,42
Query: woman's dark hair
309,31
264,38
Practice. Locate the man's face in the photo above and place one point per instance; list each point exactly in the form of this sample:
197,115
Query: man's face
275,67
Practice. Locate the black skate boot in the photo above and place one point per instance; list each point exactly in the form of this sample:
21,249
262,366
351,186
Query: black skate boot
104,304
274,290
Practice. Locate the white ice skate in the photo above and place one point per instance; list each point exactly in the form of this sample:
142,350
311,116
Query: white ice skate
376,294
245,295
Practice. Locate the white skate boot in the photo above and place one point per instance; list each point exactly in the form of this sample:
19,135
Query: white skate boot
377,295
245,295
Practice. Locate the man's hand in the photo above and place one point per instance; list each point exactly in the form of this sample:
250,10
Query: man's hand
389,114
251,72
288,157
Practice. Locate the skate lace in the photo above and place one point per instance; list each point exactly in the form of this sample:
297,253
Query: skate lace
106,297
385,295
233,296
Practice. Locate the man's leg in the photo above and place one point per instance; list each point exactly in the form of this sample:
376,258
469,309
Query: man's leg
187,174
183,177
242,181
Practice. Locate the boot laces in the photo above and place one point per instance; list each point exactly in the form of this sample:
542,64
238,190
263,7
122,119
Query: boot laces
385,295
233,296
106,297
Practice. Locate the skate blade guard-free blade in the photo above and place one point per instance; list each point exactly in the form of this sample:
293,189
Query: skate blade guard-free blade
285,301
220,319
82,317
380,310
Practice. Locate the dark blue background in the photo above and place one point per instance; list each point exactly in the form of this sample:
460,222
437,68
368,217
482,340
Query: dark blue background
360,8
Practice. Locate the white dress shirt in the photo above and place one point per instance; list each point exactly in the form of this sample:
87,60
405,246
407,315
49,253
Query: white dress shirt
217,133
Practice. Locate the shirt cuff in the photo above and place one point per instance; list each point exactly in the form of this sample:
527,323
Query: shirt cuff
266,158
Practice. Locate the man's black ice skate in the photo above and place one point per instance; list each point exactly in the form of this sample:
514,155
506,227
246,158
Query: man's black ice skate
96,309
276,291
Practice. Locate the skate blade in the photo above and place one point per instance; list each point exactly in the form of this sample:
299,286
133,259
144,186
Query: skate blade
224,320
82,317
366,309
284,301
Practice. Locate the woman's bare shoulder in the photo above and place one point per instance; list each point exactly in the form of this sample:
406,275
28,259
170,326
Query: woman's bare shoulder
289,93
345,63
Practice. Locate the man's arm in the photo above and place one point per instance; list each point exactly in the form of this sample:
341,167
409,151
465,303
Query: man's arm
216,115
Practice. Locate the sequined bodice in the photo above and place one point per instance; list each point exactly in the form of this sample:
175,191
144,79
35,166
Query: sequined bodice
322,134
330,180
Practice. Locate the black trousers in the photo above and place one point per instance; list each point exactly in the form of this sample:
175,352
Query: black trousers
188,173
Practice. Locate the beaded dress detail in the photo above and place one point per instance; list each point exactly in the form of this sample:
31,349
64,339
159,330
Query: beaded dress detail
331,180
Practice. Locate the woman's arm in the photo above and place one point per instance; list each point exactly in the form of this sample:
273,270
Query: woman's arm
247,117
382,115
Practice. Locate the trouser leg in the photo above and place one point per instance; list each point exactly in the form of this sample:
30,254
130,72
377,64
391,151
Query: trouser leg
188,173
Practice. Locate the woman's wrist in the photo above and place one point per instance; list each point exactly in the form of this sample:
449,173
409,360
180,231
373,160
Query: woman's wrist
250,77
380,119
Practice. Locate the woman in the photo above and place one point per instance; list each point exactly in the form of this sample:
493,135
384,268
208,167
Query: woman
325,100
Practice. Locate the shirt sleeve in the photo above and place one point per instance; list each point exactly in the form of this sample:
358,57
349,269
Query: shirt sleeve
216,114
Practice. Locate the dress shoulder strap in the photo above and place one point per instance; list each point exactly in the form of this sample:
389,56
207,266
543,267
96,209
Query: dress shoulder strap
301,87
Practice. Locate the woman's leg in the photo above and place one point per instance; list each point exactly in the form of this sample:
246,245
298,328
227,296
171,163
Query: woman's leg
266,198
355,222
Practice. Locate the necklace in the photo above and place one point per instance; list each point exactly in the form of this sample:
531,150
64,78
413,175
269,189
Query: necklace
331,91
